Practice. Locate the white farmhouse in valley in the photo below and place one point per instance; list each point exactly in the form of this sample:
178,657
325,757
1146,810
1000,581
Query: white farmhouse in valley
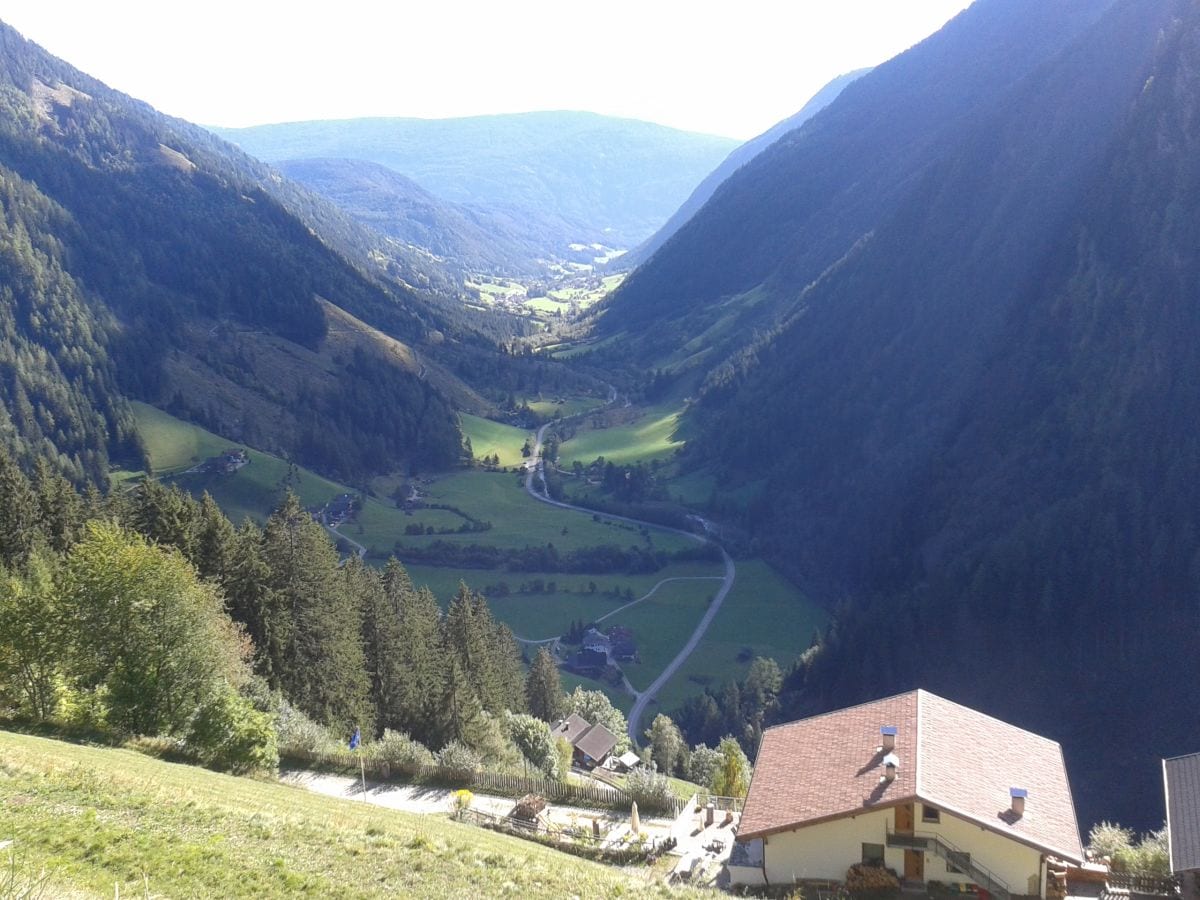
931,789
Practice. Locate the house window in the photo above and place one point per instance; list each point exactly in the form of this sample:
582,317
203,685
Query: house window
930,813
958,863
872,854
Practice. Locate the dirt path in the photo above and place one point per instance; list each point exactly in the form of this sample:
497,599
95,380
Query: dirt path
644,698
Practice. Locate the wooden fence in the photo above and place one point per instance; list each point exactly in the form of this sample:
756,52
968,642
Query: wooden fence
1124,883
578,842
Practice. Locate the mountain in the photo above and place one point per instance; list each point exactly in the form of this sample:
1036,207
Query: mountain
464,237
142,257
735,161
947,332
581,177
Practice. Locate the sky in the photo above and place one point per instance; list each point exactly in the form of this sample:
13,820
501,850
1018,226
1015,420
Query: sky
733,68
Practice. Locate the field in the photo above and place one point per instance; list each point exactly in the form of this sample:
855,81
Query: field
105,822
652,436
254,490
488,437
764,615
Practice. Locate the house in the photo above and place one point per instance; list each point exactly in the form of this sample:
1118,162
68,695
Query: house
933,790
589,663
570,728
1181,782
597,642
594,745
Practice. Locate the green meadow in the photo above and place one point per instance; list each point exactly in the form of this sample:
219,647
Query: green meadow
653,435
100,822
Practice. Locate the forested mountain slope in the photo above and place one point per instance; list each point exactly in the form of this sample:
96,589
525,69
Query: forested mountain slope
969,409
462,236
142,256
735,161
580,177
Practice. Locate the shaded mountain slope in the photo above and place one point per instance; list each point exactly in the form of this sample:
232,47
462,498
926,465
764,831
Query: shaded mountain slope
579,176
970,405
139,247
735,161
465,237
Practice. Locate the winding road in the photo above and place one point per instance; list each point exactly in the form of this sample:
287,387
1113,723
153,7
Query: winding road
644,698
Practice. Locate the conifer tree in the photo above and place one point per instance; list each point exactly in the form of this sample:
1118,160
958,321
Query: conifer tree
416,664
214,539
60,510
322,668
19,514
543,688
250,600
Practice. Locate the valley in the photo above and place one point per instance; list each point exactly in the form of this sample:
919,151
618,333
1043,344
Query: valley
483,526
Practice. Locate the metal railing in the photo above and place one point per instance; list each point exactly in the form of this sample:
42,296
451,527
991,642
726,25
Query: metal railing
960,859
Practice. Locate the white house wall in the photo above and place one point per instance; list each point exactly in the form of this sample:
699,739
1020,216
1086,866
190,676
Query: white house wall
1020,866
827,850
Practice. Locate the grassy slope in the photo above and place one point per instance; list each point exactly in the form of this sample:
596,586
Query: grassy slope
488,437
764,613
652,436
99,818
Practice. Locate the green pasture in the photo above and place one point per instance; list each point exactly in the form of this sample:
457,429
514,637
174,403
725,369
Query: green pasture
519,521
488,437
254,490
87,821
652,436
765,614
671,616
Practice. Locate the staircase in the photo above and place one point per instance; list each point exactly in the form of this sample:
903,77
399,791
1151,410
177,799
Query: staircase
961,860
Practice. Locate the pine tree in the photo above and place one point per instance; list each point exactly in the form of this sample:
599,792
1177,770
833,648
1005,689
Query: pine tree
380,637
322,669
19,514
214,540
250,600
543,688
416,665
59,508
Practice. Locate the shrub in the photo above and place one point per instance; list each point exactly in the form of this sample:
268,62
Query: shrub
401,752
650,790
229,733
296,731
1109,839
461,801
459,757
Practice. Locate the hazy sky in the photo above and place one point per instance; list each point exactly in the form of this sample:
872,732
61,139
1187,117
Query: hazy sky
733,68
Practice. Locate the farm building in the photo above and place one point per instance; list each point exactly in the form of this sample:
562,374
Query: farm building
933,790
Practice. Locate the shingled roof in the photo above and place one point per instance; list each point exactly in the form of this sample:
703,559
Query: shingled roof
1181,780
570,728
949,756
597,742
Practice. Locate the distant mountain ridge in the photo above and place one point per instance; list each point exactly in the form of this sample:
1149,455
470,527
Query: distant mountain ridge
947,333
581,177
735,161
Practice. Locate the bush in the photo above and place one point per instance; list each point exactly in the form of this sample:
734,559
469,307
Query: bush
1109,839
401,752
229,733
871,880
459,757
296,731
650,790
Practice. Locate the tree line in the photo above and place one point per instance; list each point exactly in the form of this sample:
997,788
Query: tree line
147,612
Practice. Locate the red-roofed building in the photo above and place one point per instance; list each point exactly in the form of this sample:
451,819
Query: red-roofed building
931,789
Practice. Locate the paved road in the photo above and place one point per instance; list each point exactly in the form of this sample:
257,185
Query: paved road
534,468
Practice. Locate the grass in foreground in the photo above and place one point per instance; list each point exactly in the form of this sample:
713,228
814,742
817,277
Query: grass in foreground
96,819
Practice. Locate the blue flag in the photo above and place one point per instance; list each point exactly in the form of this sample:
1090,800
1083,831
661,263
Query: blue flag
356,740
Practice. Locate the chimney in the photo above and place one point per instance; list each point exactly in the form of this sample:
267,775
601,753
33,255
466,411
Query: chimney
1018,800
887,734
891,762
